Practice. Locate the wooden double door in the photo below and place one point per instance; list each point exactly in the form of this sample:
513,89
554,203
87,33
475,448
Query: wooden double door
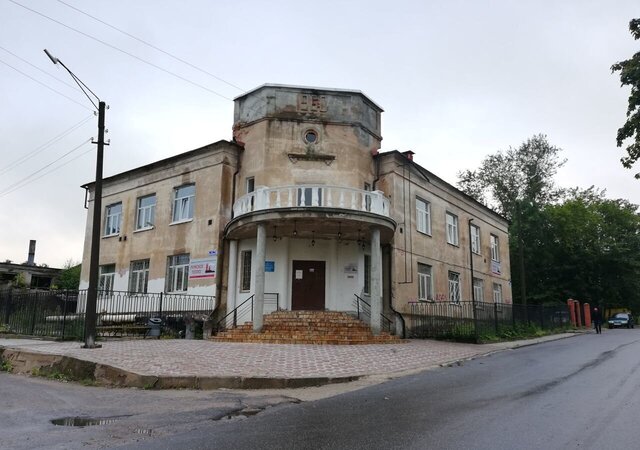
307,288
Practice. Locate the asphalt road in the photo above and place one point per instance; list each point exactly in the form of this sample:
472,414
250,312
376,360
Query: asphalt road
577,393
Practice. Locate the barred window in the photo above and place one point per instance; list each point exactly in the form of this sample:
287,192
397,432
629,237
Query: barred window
106,278
245,281
454,287
478,291
497,295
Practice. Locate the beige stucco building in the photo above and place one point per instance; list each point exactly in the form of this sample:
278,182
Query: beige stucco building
300,210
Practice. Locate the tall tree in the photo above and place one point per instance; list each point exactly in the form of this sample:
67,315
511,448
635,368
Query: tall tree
630,76
517,182
69,278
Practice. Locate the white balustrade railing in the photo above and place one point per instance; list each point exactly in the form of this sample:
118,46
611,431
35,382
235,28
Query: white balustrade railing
312,195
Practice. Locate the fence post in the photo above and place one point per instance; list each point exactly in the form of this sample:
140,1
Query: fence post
358,306
160,306
235,317
64,311
33,315
7,306
541,317
495,316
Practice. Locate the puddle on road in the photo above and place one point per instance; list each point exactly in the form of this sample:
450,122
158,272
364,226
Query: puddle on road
85,421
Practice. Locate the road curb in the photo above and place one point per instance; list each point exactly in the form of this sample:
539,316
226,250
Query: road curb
74,369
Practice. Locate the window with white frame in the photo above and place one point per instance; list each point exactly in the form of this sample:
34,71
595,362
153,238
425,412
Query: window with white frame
106,277
250,184
478,292
497,295
367,275
495,248
146,212
113,214
177,273
425,282
184,202
245,273
454,287
139,276
475,239
423,216
452,229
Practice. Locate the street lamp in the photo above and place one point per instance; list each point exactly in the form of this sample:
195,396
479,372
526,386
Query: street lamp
92,292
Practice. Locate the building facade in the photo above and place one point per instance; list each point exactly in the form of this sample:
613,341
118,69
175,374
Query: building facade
300,210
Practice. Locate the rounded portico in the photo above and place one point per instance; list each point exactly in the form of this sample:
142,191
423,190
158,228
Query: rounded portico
307,224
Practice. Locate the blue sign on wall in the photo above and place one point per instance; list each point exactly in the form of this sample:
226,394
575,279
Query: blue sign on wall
269,266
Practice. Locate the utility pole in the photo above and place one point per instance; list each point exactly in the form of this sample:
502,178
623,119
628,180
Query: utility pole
90,320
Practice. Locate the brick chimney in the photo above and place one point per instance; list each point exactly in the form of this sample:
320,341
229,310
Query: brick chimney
409,154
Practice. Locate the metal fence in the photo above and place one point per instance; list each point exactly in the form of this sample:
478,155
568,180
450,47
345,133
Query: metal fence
61,313
457,321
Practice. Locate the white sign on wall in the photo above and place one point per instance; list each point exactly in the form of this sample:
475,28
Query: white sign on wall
202,268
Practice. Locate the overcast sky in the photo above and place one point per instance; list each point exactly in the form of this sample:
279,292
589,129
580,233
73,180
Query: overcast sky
457,80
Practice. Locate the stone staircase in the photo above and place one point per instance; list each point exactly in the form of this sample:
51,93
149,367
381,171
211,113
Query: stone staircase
307,327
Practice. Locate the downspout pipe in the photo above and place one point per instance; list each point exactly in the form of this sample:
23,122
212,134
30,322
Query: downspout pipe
389,268
473,292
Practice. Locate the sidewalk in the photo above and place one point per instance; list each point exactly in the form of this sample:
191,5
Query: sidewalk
166,364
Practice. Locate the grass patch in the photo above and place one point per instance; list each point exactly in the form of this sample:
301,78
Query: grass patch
6,366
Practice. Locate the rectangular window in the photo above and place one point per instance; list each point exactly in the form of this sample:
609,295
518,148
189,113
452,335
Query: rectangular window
146,214
497,295
367,197
454,288
478,292
423,216
475,239
367,275
245,280
112,219
139,276
177,273
106,278
183,202
425,282
452,229
495,248
251,184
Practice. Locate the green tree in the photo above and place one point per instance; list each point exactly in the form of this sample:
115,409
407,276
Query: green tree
592,249
630,76
69,278
517,183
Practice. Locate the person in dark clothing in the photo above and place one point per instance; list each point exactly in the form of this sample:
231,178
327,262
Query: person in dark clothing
597,319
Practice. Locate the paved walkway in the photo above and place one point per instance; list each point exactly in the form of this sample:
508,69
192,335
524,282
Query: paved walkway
194,358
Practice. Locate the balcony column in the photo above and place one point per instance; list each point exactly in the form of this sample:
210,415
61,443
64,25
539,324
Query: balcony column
258,299
376,282
232,277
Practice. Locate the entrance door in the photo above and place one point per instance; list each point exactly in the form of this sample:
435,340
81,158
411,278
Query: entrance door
307,285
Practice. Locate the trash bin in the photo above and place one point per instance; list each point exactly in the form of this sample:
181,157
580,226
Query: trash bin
155,327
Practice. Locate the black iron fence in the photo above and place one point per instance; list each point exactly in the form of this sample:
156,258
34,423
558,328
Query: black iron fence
61,313
457,321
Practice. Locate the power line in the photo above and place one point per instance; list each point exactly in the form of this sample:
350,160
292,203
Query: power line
41,70
10,188
44,146
46,173
122,51
45,85
177,58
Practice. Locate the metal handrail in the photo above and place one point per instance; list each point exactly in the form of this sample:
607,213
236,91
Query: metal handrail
366,310
217,327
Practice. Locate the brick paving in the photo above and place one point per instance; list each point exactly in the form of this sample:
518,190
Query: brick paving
176,358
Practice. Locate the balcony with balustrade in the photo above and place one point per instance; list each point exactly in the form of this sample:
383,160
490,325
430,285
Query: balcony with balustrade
312,211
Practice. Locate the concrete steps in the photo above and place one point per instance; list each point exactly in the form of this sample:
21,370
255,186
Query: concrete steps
307,327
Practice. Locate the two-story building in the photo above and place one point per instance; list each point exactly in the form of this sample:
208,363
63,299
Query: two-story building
299,211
